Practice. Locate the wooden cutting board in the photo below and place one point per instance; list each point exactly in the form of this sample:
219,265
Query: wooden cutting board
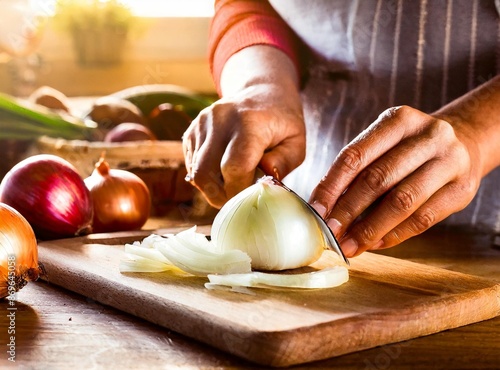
386,300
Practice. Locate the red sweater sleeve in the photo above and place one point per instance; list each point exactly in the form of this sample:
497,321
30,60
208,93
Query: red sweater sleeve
241,23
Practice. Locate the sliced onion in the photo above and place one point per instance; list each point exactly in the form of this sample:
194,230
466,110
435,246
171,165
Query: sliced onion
189,251
322,279
136,263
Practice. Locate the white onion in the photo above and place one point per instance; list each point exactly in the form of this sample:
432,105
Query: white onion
272,225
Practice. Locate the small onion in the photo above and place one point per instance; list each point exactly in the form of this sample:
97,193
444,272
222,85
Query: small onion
122,201
272,225
48,191
18,252
129,131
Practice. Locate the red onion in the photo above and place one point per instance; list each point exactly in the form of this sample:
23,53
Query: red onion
48,191
122,201
168,122
129,131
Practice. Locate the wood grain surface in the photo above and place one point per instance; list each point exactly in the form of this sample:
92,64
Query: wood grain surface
387,300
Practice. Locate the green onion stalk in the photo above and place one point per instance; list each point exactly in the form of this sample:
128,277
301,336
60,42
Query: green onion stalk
21,121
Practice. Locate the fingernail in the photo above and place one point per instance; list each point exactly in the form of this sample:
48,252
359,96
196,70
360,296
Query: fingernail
378,245
335,226
320,208
349,247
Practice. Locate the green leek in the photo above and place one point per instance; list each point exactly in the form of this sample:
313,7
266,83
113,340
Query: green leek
24,121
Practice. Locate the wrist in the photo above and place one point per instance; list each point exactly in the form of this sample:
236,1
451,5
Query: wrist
476,119
258,65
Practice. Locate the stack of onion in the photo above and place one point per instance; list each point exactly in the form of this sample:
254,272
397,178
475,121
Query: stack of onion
48,191
18,252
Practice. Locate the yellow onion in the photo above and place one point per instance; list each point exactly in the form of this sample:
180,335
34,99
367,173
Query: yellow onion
48,191
272,225
18,252
121,200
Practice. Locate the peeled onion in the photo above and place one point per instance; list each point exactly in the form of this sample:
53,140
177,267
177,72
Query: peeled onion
271,225
121,200
18,252
48,191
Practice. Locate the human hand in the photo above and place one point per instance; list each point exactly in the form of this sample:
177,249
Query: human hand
405,173
259,125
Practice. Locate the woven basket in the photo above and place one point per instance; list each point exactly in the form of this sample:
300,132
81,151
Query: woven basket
160,164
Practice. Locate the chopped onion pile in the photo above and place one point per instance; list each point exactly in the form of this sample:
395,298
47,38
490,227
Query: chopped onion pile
193,253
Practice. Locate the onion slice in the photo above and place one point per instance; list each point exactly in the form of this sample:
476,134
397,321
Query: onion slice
135,263
329,277
188,250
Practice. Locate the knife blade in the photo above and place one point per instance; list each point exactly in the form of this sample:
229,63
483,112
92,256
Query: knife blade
332,242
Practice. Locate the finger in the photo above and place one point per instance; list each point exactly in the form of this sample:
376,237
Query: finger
206,173
381,136
239,162
192,139
285,157
205,157
379,177
398,205
443,203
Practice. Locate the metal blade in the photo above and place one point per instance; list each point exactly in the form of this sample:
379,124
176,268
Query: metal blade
330,237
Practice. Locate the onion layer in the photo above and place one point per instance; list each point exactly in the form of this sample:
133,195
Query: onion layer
322,279
121,199
188,251
18,252
48,191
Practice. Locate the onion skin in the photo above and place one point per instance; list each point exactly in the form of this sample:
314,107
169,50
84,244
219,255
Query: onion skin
18,252
48,191
121,200
168,122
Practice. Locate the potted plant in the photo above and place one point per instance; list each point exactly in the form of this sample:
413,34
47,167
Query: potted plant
99,29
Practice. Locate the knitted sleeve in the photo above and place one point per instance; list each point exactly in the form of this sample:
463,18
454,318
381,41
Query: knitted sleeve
241,23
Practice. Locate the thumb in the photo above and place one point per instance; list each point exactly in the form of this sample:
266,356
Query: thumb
283,158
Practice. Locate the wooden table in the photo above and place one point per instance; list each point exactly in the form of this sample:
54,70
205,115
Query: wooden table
57,329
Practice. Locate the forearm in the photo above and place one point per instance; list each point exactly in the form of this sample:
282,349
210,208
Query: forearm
256,65
240,24
476,115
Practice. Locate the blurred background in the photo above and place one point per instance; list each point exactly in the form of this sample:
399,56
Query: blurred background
96,47
72,71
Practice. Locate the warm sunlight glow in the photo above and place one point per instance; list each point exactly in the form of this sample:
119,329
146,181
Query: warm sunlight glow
171,8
